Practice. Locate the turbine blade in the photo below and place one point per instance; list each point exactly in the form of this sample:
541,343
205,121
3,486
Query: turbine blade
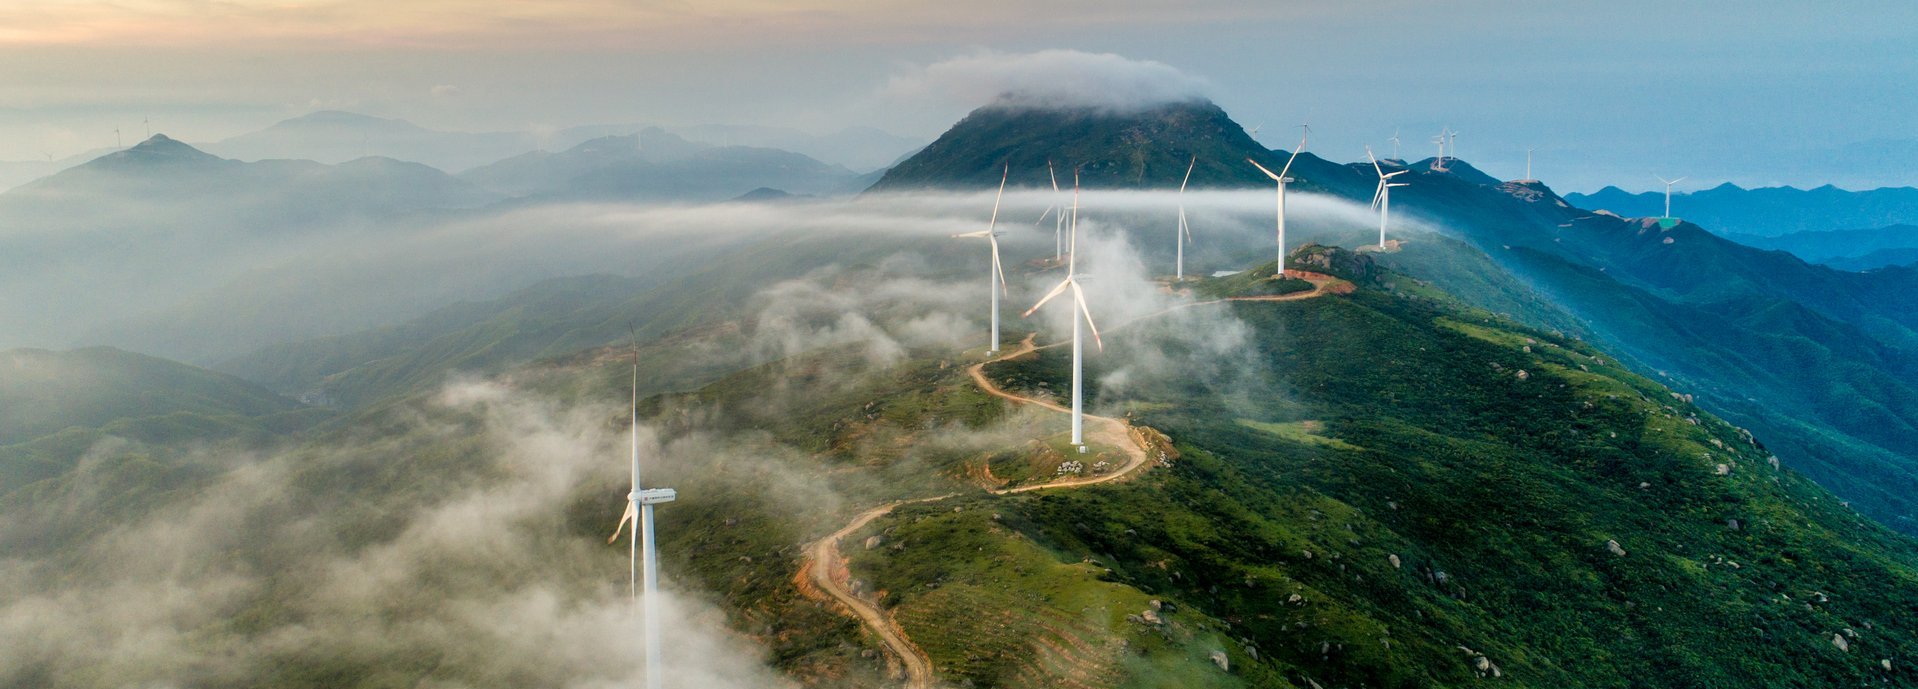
1395,174
1288,161
1053,175
969,235
1375,162
1079,297
1003,289
1056,291
623,519
1003,174
1188,173
1261,168
1043,216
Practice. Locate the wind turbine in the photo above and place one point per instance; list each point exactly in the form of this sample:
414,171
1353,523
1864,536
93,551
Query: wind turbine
645,553
1058,219
1078,309
1395,143
1281,181
1382,199
1184,233
116,138
996,277
1668,192
1451,141
1439,162
1528,165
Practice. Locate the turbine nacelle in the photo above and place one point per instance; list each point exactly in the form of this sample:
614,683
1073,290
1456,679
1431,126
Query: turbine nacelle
653,496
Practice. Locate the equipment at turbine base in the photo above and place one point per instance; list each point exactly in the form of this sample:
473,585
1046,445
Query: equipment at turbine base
1667,223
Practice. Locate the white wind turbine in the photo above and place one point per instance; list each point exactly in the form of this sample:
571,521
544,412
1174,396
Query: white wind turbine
1058,218
996,275
1395,143
1184,233
1382,198
1528,165
1079,310
1668,192
1281,180
645,552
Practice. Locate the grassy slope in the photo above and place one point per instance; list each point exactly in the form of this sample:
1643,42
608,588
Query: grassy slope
1498,495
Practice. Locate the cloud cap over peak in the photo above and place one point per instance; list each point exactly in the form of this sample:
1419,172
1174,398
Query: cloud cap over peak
1051,79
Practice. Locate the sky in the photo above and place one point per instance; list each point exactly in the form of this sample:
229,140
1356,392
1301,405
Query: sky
1754,92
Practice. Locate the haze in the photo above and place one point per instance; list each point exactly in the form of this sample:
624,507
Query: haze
1608,92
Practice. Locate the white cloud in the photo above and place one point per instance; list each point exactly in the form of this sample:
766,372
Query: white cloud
1050,79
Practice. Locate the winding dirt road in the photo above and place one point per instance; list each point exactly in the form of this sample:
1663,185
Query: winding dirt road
826,571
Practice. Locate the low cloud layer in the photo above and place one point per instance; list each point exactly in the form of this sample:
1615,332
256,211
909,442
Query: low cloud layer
1050,79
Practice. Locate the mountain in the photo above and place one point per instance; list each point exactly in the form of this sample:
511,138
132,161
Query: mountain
331,136
1769,211
657,166
138,230
56,407
858,148
1903,256
1149,148
1831,247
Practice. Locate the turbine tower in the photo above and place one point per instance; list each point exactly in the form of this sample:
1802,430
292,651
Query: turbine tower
1382,198
1281,180
644,550
1184,233
995,276
1079,310
1528,165
1668,193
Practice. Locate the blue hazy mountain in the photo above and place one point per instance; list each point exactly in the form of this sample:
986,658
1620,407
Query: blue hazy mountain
1728,209
654,165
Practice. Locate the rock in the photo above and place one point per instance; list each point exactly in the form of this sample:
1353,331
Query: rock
1886,664
1732,524
875,541
1295,598
1156,604
1219,658
1151,617
1642,485
1395,561
1308,554
1615,548
1522,375
1482,663
1723,469
1839,641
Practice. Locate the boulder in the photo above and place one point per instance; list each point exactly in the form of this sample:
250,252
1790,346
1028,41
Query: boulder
1395,561
1219,658
1839,641
1615,548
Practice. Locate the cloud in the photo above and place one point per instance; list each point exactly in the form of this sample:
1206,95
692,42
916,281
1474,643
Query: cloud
1050,79
444,91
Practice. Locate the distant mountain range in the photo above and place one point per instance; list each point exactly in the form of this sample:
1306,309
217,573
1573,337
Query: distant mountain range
655,165
1844,249
1769,211
334,137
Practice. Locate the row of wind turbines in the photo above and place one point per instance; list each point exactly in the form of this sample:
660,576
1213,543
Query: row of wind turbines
1066,242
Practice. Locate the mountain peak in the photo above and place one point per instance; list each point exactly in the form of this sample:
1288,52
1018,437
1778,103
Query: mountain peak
158,149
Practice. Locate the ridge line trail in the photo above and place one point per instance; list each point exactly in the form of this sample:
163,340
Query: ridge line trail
826,569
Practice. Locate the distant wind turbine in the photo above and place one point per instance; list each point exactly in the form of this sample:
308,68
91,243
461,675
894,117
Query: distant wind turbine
1079,310
1307,129
116,138
1382,198
1395,143
1439,162
1528,165
639,507
995,275
1668,192
149,125
1184,233
1058,217
1281,180
1254,131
